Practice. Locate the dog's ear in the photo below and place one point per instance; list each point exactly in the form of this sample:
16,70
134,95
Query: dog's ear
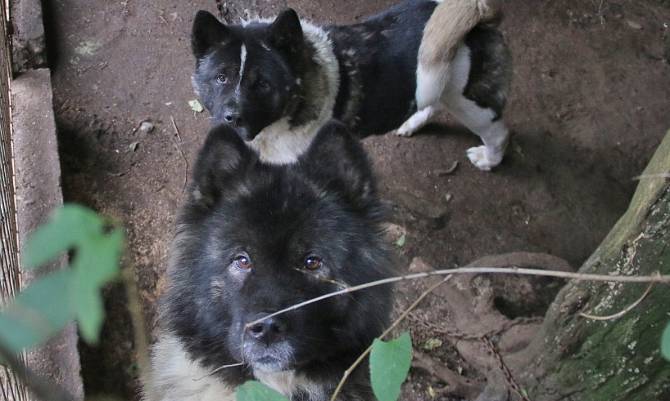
207,31
223,158
286,31
337,160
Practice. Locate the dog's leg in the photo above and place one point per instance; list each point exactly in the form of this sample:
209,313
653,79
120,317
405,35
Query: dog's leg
482,121
417,121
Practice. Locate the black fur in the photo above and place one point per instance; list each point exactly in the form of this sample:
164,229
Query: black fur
487,73
324,206
377,60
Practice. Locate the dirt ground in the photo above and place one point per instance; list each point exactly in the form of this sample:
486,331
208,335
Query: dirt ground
590,102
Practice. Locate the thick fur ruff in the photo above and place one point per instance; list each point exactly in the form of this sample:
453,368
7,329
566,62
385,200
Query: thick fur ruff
254,238
277,142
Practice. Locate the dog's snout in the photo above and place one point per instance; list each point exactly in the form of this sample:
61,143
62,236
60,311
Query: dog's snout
268,329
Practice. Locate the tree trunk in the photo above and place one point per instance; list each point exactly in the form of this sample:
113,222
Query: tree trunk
578,359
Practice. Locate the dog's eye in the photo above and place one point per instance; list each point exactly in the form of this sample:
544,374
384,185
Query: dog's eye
222,78
263,85
242,262
313,263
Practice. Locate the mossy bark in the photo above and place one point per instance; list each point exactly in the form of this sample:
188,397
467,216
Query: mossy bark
578,359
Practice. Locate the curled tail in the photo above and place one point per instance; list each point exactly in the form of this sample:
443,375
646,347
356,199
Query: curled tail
450,22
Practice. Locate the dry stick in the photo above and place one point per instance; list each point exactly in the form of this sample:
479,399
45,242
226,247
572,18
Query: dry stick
643,176
384,334
181,151
137,319
624,311
220,368
477,270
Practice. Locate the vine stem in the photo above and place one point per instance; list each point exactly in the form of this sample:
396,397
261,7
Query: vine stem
400,318
656,278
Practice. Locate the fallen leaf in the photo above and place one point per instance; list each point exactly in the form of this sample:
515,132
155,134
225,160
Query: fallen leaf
196,106
432,343
400,242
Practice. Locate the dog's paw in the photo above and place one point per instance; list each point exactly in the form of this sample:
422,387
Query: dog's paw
484,159
405,130
416,121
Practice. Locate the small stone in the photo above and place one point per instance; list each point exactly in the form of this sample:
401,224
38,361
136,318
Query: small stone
146,127
448,197
418,265
634,25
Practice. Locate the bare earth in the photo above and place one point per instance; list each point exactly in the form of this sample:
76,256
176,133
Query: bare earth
590,102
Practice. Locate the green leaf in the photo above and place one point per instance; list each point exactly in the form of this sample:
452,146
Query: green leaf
665,343
95,264
45,307
400,242
68,226
257,391
196,106
389,366
38,312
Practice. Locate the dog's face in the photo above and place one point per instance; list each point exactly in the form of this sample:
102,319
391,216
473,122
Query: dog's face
248,76
254,239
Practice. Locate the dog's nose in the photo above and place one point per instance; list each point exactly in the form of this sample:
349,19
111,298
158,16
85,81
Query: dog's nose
268,329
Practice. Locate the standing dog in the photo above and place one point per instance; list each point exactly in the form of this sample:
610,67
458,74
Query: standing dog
277,81
253,239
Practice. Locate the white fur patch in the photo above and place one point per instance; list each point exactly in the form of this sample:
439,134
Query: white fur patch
416,121
443,86
279,143
288,383
243,60
174,376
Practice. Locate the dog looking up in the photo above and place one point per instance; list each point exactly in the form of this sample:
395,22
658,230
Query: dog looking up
252,239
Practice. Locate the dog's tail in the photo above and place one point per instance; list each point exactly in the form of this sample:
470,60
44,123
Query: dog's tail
450,22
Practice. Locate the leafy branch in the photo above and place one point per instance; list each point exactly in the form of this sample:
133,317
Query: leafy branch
73,293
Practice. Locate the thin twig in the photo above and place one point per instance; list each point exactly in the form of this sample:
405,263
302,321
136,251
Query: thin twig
448,171
181,151
137,319
220,368
44,390
644,176
476,270
622,312
400,318
324,279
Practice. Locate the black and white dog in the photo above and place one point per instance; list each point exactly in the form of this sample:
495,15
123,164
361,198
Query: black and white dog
278,81
254,238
